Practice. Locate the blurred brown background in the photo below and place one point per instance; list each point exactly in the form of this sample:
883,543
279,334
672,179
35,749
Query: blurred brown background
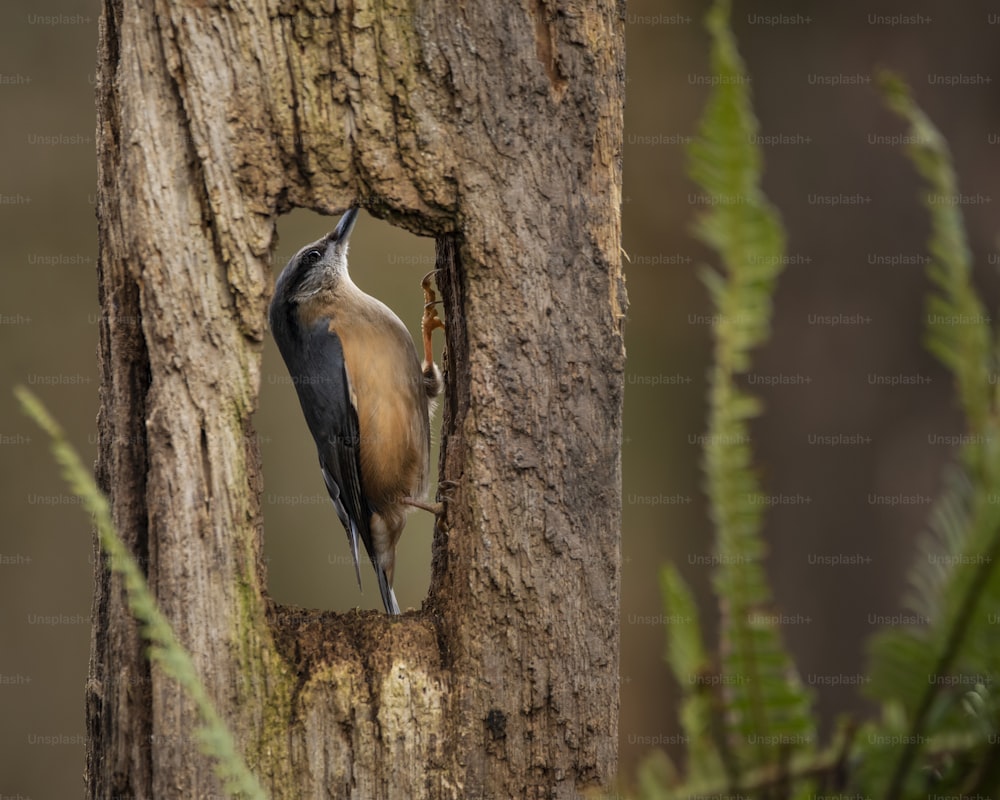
856,265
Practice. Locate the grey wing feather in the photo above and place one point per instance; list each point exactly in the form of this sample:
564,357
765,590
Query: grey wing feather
333,419
348,523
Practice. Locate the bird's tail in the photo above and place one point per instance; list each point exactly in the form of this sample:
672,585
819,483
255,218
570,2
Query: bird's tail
388,596
384,587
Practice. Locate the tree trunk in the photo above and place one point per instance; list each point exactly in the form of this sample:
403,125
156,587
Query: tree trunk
496,128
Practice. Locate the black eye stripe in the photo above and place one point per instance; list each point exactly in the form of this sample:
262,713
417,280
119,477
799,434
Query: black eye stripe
311,257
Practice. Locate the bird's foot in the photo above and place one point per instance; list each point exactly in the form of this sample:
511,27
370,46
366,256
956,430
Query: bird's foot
430,321
444,490
425,284
437,509
433,383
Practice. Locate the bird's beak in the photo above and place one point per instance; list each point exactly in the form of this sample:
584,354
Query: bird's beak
342,232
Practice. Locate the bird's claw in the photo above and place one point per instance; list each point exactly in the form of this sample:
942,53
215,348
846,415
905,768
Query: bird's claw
437,509
447,485
425,282
430,320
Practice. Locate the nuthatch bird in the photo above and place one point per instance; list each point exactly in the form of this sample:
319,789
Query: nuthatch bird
365,395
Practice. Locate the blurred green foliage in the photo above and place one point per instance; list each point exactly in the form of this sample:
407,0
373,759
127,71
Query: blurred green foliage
748,724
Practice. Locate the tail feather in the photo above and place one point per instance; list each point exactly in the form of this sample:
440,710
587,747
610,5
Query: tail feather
357,531
352,539
388,596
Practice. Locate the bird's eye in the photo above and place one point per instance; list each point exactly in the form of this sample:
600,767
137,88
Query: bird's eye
311,257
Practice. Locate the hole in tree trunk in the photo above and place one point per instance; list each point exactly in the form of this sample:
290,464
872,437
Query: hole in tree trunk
308,558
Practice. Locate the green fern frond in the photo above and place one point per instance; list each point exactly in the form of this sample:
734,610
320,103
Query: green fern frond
691,665
958,330
767,707
921,671
941,547
654,777
164,649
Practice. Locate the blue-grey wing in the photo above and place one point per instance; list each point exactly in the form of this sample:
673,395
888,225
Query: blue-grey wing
324,392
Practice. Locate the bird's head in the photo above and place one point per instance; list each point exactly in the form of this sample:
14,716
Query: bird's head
317,266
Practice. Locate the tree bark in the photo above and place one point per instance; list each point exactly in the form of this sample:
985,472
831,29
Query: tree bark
496,128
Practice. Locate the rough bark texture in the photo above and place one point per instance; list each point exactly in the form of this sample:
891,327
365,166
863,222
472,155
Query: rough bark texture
497,128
